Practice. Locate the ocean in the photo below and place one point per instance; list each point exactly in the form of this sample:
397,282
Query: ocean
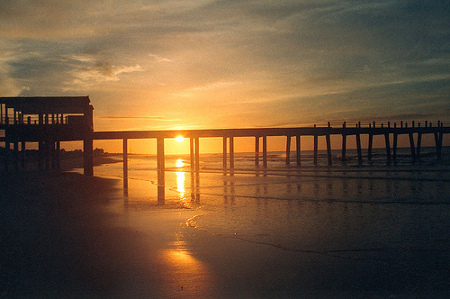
309,230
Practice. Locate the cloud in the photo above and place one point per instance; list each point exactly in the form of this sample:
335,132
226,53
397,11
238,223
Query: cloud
290,60
90,73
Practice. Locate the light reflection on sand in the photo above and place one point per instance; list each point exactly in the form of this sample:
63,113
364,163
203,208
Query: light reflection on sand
186,275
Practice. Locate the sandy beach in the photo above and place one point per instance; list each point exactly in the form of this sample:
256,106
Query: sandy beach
67,235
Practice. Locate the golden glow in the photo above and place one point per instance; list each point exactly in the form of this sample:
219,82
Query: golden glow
179,163
180,184
179,138
180,179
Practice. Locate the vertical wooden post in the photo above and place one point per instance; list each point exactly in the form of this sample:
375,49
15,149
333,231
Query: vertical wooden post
58,156
419,144
88,143
52,146
394,146
358,148
224,153
231,153
330,161
160,162
438,136
16,155
22,154
328,140
46,155
388,147
344,141
411,144
288,150
257,151
192,153
265,151
370,147
298,148
125,162
41,156
197,154
315,145
6,157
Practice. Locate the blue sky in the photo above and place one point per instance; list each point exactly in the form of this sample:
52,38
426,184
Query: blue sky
228,64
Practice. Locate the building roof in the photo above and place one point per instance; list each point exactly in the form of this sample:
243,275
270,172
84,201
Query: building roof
38,105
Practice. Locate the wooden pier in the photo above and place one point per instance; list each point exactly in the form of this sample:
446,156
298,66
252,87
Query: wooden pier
49,120
228,136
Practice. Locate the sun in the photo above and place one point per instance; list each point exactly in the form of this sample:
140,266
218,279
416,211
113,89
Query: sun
179,138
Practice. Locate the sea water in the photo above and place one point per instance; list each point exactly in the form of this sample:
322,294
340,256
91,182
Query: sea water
394,214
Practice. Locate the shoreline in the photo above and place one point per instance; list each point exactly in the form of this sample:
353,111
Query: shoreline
67,235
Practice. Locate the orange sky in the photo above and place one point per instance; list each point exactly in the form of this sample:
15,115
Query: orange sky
206,64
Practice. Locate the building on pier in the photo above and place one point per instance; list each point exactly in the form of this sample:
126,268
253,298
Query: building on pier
46,121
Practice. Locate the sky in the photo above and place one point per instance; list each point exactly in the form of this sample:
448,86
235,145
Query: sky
203,64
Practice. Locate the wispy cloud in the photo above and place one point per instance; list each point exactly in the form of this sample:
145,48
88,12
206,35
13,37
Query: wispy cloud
252,62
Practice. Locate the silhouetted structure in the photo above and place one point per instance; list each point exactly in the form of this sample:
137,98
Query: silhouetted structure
47,121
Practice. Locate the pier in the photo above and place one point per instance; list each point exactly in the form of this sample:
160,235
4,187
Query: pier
50,120
260,134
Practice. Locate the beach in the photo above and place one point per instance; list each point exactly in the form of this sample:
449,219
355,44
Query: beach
348,232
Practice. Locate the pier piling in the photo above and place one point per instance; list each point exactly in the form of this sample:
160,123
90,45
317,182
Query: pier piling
288,150
125,162
160,162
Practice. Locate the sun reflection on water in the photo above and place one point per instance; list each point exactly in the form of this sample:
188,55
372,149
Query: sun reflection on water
181,178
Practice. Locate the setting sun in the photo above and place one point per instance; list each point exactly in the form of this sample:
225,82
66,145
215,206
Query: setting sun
179,138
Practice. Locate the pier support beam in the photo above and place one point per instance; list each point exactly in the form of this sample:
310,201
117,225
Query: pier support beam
257,151
316,147
6,157
394,147
160,165
298,149
358,148
197,154
231,153
88,159
125,163
344,147
58,156
370,148
224,154
419,144
265,151
22,154
88,143
411,145
288,150
192,154
16,156
388,147
438,136
344,141
328,139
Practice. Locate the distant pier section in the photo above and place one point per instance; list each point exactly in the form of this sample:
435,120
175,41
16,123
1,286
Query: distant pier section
50,120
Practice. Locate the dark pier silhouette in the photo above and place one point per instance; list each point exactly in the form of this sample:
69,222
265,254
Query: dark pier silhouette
46,121
50,120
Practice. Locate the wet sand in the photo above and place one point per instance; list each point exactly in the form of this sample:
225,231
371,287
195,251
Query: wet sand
55,241
72,236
